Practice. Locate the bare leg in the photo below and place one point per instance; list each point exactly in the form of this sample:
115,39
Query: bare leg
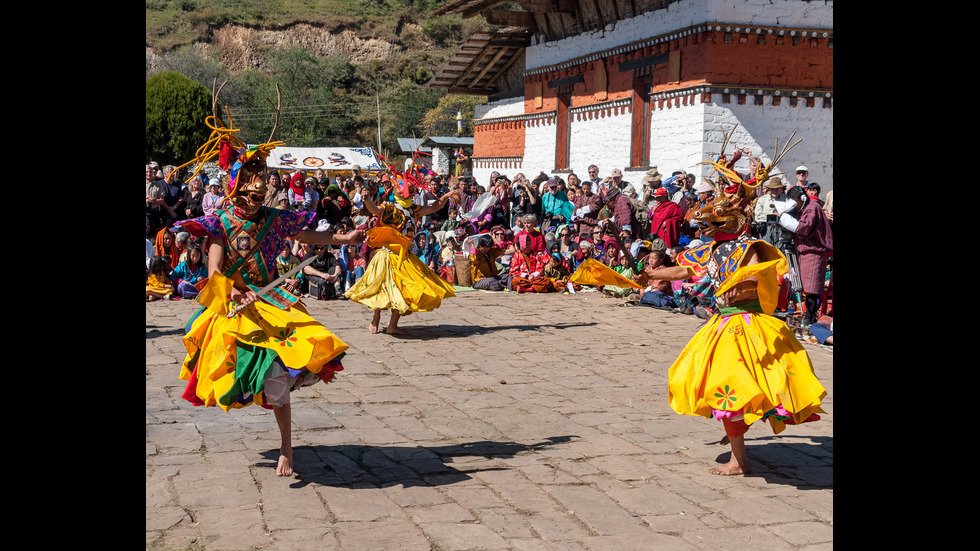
739,463
393,328
375,322
284,420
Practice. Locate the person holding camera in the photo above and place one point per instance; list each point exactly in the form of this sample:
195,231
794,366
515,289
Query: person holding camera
524,200
813,240
767,209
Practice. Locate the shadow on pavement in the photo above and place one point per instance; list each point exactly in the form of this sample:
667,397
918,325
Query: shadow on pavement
806,465
450,331
153,333
367,467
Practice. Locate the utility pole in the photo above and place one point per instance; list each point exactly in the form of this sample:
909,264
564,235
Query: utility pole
378,98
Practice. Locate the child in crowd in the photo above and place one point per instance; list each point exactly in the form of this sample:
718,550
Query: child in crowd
557,271
356,264
452,222
287,261
190,272
659,293
158,284
447,258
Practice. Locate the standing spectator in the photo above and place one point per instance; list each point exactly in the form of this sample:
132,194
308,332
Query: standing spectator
770,204
172,191
274,186
684,187
193,198
212,199
814,240
300,197
524,201
554,205
587,209
802,175
666,218
617,179
160,214
594,178
624,219
652,180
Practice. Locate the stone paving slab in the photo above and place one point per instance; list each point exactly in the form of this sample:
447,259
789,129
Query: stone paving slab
501,421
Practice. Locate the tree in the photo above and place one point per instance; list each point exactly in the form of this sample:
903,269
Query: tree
441,120
176,107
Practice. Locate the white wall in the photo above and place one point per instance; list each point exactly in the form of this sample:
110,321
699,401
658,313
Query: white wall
786,13
683,136
603,141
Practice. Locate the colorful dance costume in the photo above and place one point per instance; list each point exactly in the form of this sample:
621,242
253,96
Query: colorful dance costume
396,279
743,365
273,346
229,361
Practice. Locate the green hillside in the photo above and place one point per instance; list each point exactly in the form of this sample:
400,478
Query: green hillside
326,99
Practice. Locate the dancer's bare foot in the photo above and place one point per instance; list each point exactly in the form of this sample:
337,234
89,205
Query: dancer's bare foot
739,462
373,328
393,328
285,467
725,440
375,322
731,468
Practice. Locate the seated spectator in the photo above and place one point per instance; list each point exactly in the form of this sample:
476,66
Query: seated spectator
527,269
334,206
166,245
158,284
556,270
356,264
447,258
586,250
500,241
424,246
530,222
618,261
190,272
483,267
323,275
822,332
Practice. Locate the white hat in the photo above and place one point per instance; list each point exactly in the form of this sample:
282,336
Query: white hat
802,168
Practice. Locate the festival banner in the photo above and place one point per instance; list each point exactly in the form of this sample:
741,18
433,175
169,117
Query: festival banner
327,158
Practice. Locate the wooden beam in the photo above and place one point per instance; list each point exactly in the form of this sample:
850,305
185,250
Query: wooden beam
549,6
493,80
472,64
475,9
489,65
510,18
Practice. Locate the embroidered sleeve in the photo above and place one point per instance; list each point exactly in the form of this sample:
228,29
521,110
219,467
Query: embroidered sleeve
290,222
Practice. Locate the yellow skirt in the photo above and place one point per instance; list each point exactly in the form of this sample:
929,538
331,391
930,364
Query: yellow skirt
229,359
749,364
397,280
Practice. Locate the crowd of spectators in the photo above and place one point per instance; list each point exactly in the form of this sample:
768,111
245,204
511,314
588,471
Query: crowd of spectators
509,233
